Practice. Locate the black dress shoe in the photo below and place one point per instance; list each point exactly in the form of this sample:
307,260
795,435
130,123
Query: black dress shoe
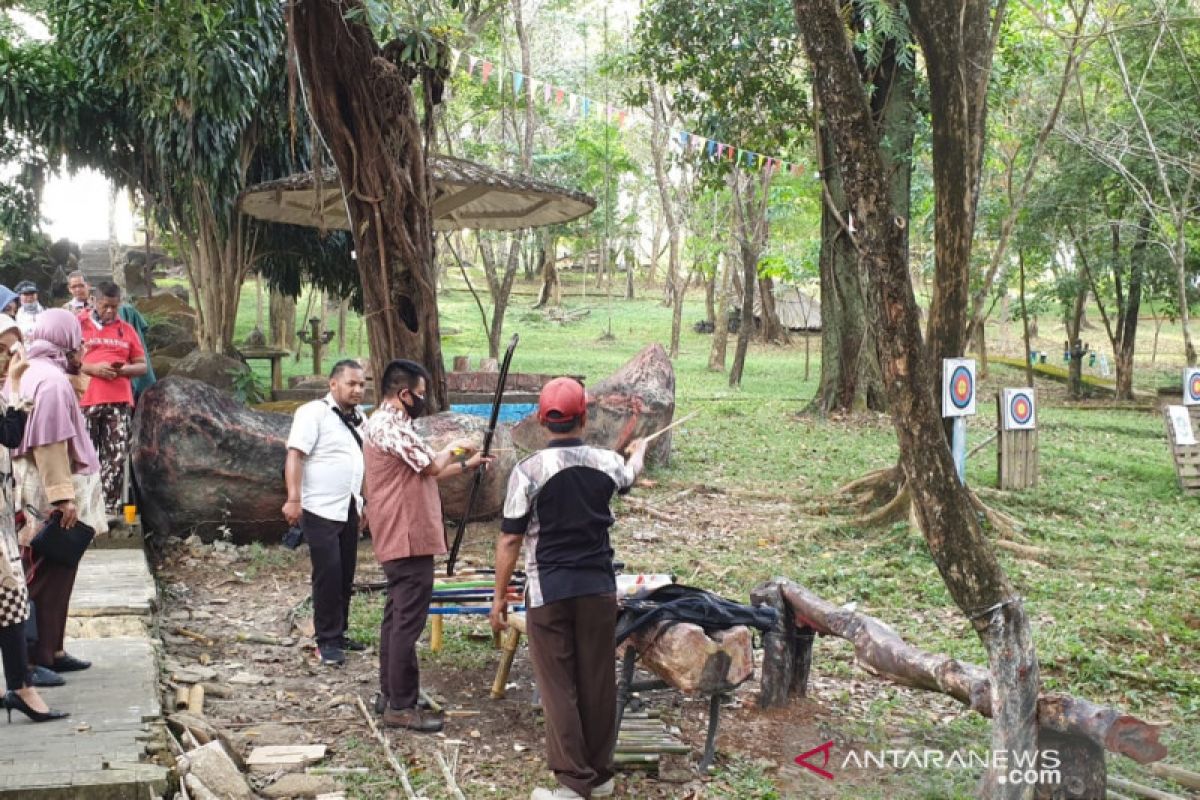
43,677
352,645
69,663
14,702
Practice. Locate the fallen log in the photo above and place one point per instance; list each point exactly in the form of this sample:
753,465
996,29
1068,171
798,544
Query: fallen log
689,660
881,651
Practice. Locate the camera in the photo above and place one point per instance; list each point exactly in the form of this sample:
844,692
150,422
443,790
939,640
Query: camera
293,538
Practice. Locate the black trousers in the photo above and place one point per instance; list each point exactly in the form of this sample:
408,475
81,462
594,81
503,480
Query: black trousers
571,647
410,588
333,549
15,655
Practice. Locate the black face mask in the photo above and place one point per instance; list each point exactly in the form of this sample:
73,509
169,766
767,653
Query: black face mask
417,408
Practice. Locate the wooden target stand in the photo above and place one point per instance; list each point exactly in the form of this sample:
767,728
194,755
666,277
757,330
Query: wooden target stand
1185,456
1016,453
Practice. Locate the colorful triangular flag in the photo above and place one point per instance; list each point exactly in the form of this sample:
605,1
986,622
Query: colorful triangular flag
518,81
487,71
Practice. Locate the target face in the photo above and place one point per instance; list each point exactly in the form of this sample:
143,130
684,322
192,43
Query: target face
1020,409
1191,387
958,387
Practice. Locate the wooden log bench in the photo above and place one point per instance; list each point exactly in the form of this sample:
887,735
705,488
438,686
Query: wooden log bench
680,656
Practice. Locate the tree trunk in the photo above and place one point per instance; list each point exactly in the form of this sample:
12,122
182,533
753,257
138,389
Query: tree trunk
957,41
1025,321
751,194
1075,344
282,320
216,264
773,330
677,315
667,201
1129,314
943,508
981,350
850,374
116,259
716,357
499,287
551,292
710,295
364,107
630,264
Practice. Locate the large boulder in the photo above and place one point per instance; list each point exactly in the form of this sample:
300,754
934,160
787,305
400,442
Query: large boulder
214,369
635,401
439,430
207,464
172,321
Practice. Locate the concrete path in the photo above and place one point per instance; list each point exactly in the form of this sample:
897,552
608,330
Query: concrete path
97,752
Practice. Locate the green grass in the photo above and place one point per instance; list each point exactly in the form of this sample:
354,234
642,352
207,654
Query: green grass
1116,608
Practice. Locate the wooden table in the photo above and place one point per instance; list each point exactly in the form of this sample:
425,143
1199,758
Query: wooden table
275,356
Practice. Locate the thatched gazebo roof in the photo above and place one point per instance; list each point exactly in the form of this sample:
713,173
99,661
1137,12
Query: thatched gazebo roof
466,195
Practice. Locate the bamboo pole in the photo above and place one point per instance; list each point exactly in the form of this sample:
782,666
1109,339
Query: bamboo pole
1141,789
1180,775
435,633
195,700
397,767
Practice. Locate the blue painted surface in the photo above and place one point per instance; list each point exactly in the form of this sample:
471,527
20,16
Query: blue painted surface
509,412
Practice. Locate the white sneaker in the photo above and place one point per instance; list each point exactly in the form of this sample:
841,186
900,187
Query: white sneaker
605,789
557,793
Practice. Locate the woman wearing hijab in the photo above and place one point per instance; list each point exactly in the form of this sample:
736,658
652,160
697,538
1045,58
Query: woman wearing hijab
8,301
56,469
14,595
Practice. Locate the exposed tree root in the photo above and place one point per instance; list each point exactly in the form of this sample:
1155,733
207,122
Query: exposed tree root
881,498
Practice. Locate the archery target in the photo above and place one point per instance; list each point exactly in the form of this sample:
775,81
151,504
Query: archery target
1191,386
1020,409
958,387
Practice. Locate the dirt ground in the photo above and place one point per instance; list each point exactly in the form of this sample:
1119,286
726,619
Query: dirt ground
221,603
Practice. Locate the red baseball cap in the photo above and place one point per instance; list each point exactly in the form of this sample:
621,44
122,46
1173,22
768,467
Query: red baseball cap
564,398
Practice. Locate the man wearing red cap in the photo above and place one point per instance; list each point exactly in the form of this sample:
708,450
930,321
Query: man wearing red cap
558,505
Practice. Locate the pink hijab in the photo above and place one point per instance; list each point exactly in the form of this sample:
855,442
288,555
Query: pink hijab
55,416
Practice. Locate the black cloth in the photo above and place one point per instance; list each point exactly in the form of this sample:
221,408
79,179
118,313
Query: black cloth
678,603
333,549
409,590
15,655
12,427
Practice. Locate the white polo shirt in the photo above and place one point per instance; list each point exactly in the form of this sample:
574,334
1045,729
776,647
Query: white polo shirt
333,463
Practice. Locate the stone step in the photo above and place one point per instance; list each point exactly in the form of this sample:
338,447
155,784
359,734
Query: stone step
114,582
96,752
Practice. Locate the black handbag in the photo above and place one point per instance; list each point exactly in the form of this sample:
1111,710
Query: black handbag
64,546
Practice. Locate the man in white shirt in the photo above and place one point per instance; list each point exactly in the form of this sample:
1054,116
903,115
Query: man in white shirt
81,293
28,312
324,476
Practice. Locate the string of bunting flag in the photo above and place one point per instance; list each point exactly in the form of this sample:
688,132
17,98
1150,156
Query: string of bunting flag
551,94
